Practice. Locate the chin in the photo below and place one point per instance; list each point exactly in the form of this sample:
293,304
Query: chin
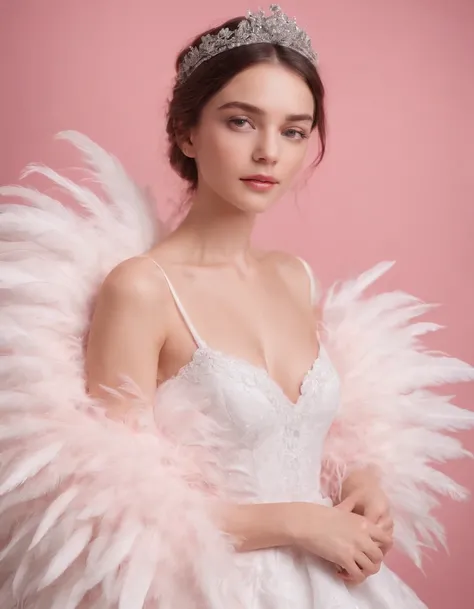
256,203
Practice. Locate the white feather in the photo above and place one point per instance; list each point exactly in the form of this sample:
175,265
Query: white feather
53,513
390,416
30,466
90,505
66,555
139,573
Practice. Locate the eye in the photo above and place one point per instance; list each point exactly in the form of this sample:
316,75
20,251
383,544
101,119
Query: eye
239,122
295,134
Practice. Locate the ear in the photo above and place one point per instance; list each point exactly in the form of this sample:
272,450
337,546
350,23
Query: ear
186,146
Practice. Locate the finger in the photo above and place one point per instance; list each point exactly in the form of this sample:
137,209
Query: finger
351,571
344,575
375,512
366,565
386,547
388,527
373,515
373,552
386,523
348,504
378,534
349,579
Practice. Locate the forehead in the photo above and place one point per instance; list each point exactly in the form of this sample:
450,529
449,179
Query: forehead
269,86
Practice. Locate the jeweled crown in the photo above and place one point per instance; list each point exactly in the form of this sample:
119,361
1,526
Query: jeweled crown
277,28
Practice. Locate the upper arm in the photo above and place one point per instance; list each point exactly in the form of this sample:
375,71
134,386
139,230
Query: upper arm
127,331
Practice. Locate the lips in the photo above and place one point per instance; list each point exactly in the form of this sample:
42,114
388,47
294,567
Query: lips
260,183
260,178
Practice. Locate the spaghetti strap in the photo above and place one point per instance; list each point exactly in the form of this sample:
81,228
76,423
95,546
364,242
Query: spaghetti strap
312,281
192,330
314,296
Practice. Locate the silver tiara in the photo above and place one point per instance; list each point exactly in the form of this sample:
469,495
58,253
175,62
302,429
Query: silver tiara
277,28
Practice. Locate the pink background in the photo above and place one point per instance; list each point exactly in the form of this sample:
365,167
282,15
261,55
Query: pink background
397,183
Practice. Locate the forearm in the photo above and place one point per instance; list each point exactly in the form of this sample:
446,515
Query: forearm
358,478
259,526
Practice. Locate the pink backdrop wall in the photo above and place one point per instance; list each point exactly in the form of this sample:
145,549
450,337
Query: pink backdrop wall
397,183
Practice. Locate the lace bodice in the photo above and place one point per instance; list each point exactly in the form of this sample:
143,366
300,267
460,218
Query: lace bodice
272,447
269,449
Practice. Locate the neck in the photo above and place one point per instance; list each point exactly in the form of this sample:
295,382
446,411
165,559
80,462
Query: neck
216,231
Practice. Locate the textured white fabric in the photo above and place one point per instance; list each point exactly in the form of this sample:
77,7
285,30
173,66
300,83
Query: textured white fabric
97,515
273,453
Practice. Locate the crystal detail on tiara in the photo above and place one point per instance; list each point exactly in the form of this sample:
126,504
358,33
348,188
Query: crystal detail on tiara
256,28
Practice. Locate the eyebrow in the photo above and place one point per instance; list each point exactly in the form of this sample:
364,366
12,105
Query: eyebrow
251,108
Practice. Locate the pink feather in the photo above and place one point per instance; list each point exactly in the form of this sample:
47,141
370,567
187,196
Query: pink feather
390,417
108,515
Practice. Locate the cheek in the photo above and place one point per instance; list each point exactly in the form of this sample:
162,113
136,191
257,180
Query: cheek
216,147
293,157
219,157
230,144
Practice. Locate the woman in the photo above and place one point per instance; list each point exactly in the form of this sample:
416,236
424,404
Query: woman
226,449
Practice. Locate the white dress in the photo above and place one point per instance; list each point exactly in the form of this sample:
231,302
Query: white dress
97,515
273,454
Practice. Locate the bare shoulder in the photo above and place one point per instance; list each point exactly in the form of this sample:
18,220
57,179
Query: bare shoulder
136,282
293,271
128,328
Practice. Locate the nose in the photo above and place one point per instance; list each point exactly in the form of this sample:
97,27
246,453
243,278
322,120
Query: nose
267,148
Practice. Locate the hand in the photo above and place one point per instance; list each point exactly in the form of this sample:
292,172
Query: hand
368,500
348,540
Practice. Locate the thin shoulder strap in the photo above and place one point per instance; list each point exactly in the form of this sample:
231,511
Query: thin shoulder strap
197,339
314,296
312,281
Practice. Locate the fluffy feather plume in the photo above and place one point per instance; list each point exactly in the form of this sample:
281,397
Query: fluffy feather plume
118,515
390,416
94,513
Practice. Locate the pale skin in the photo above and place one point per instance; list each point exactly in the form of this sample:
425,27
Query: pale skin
251,304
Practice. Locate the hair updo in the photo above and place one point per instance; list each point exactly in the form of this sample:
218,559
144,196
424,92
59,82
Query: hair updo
189,98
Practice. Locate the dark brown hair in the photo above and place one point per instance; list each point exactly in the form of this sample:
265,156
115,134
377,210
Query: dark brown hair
189,98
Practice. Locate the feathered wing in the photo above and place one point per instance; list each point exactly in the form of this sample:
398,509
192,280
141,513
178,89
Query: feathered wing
390,415
101,514
93,512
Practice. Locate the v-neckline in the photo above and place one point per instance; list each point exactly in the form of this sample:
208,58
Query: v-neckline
203,348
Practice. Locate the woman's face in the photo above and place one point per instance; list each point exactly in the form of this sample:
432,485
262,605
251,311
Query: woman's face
258,126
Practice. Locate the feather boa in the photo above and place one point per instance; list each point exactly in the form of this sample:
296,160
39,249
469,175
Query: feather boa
99,513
